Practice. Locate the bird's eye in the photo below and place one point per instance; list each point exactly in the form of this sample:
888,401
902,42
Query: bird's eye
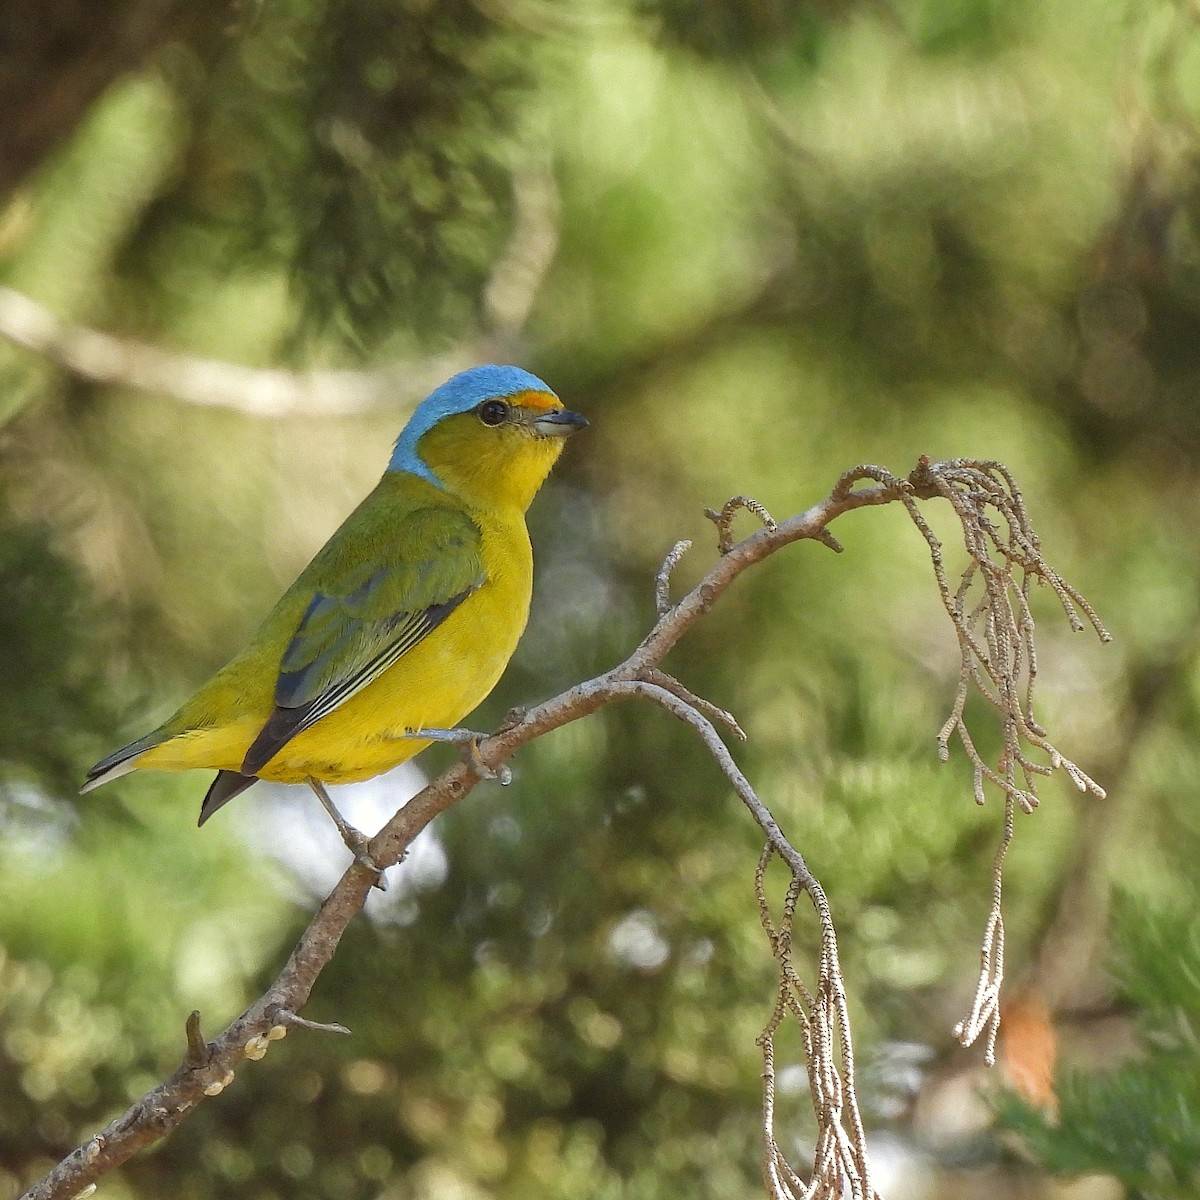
494,412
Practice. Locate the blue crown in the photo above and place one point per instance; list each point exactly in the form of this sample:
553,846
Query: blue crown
459,394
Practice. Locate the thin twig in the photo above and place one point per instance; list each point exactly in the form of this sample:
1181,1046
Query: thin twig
723,520
662,581
197,1048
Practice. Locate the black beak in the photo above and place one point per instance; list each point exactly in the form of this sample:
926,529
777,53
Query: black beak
558,422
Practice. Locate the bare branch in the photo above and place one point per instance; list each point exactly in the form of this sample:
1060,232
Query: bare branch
710,710
995,636
517,276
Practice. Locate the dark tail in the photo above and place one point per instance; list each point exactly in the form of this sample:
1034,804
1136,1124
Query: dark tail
226,785
120,762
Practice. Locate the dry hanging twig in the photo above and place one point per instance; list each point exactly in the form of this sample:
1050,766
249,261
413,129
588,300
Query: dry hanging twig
998,660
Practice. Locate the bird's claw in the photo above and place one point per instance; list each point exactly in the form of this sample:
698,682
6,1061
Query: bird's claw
468,742
359,844
503,772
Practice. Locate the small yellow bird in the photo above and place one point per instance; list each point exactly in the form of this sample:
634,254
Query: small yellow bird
402,623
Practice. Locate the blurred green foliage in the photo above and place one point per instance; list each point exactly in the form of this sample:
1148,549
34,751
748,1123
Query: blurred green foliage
789,237
367,147
1137,1121
50,632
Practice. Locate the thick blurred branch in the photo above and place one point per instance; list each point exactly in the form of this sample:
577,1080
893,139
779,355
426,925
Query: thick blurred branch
840,1159
508,298
259,391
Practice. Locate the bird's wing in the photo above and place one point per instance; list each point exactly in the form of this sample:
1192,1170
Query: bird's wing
364,615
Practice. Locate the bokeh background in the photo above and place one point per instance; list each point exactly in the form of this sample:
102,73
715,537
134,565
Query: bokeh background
756,242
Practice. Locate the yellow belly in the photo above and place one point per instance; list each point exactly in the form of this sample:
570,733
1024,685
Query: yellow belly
432,686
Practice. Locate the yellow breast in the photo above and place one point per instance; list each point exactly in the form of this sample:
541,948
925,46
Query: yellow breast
435,685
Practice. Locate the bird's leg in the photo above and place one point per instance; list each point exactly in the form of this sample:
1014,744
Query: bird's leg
356,841
468,741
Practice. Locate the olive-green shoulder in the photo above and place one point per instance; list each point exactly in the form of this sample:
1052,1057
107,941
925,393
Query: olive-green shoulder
407,547
407,526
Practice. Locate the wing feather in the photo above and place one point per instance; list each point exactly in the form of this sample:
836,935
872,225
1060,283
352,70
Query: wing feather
363,618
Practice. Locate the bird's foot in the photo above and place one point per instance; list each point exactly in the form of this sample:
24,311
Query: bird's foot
357,842
468,742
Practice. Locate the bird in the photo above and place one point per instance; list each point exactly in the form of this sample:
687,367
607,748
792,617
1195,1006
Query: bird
402,623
